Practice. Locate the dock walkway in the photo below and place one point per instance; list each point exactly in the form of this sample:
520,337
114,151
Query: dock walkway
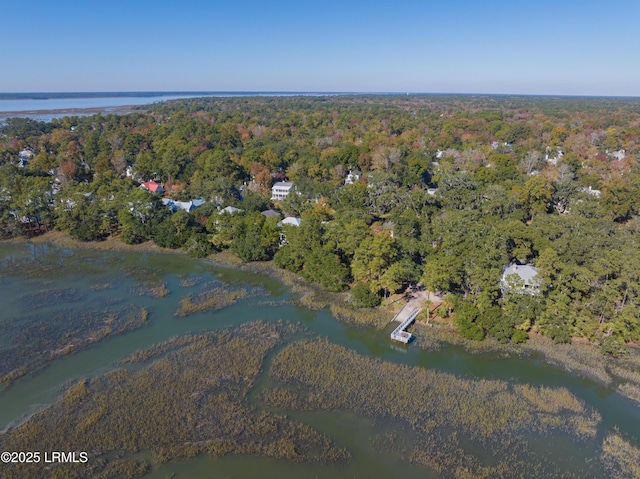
407,316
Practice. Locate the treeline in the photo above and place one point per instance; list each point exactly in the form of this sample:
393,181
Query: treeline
453,189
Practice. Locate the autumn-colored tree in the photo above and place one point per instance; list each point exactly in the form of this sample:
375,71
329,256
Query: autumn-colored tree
262,178
67,171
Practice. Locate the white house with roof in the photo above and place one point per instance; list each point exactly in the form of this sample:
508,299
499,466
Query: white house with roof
521,279
23,157
287,221
553,159
618,155
291,221
591,191
231,210
131,173
183,205
189,205
352,177
280,190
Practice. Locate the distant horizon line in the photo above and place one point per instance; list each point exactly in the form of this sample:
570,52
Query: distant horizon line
44,95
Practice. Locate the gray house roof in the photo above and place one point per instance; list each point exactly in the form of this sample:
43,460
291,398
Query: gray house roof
232,210
270,213
290,221
527,273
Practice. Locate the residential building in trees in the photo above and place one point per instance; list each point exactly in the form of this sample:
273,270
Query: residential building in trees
281,190
352,177
521,279
153,187
290,221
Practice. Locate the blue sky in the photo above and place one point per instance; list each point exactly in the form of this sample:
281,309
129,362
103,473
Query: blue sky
567,47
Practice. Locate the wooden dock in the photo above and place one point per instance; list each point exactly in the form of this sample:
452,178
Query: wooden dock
400,333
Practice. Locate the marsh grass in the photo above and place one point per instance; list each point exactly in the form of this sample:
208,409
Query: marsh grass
631,391
274,303
210,300
158,350
310,295
627,373
45,298
227,258
626,369
158,290
190,401
189,281
110,244
36,339
45,264
621,460
144,276
102,286
452,418
435,335
582,359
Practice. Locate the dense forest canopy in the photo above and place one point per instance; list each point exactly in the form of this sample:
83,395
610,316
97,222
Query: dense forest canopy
452,190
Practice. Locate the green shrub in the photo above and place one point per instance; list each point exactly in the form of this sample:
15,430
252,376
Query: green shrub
363,297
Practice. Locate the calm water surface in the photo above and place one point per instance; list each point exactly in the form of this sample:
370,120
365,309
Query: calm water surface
48,109
73,103
45,268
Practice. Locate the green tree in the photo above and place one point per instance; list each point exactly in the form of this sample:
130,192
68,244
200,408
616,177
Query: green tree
322,265
466,321
347,232
556,319
397,275
443,272
248,242
535,195
363,297
80,214
221,228
175,230
31,200
373,258
140,214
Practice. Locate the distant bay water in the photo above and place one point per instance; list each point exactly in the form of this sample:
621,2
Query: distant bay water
47,106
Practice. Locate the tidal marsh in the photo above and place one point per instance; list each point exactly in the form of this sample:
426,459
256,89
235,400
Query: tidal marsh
210,300
452,418
191,401
446,413
34,339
